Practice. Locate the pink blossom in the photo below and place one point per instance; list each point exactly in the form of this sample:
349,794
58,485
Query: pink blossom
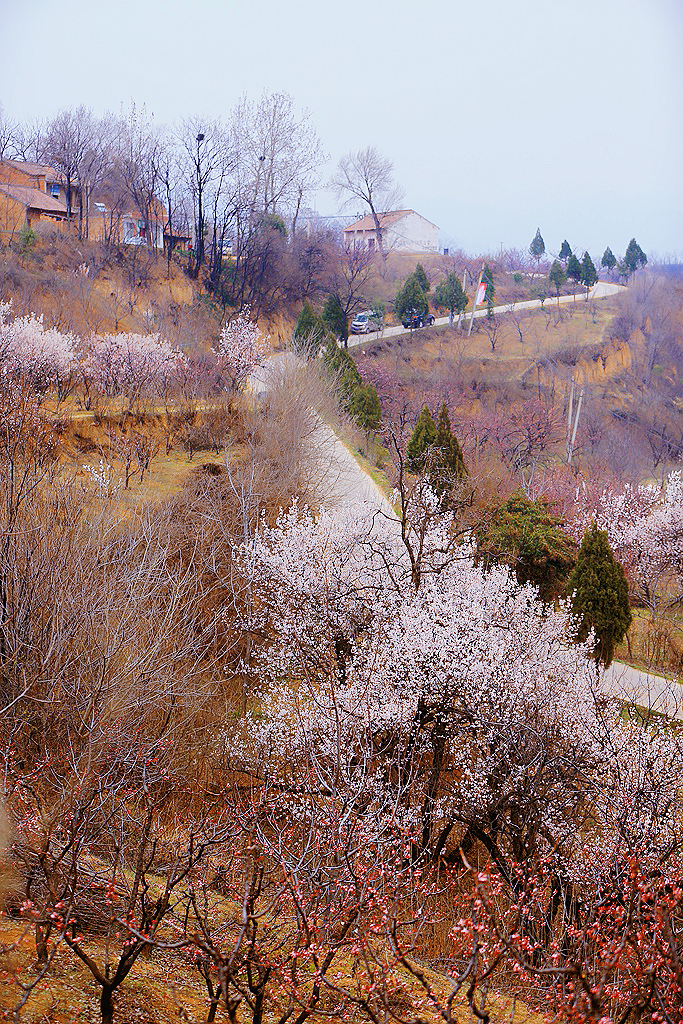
241,348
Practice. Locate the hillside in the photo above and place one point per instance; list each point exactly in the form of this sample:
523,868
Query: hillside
272,757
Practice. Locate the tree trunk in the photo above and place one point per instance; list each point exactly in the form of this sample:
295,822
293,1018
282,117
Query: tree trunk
107,1004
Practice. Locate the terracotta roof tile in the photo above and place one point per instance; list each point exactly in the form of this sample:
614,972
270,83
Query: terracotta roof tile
37,170
33,198
385,219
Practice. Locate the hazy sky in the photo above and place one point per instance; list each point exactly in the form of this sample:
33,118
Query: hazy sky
500,116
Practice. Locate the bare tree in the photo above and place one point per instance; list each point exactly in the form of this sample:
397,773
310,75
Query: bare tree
143,151
8,132
282,153
368,176
204,143
351,270
28,141
68,137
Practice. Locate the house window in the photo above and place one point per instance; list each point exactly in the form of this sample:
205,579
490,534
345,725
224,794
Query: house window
371,244
55,191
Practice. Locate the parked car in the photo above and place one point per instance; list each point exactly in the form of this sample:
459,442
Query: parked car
415,318
365,322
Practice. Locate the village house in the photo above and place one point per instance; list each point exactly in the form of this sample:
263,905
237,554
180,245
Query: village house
112,220
33,194
402,231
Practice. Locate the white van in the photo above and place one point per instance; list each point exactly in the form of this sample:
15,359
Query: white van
365,322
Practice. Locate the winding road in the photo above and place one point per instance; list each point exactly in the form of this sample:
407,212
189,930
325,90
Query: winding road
342,480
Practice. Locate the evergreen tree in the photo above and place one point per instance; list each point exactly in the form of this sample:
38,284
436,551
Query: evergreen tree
309,332
599,595
487,278
411,298
379,312
589,274
634,257
450,295
609,260
565,251
448,451
366,408
529,537
342,367
557,276
537,247
574,269
423,439
421,278
335,319
434,450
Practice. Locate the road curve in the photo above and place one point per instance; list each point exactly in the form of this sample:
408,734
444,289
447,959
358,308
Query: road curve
343,481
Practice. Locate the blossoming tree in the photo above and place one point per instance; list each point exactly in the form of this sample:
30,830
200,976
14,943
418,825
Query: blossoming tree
241,348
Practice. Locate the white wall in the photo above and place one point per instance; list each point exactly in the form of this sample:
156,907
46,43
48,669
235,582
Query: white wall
412,234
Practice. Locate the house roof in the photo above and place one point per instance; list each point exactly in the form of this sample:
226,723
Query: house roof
37,170
386,220
33,198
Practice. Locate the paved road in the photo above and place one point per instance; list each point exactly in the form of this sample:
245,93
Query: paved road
601,290
342,480
647,690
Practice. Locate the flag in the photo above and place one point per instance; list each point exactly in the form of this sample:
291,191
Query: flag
481,295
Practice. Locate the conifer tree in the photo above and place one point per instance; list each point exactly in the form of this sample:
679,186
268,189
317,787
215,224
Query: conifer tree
449,294
574,269
366,409
589,274
487,278
537,247
424,438
421,278
529,536
342,367
565,251
334,318
609,260
410,299
599,595
434,450
309,331
557,276
448,451
634,257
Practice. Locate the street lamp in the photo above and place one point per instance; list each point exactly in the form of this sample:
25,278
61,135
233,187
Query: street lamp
200,220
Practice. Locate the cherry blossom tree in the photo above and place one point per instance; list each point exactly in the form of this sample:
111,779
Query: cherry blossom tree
241,348
479,686
612,954
645,529
45,356
131,365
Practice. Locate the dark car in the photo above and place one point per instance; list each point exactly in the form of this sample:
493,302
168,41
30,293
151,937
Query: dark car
415,318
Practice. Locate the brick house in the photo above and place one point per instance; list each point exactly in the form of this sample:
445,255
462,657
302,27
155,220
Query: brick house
32,194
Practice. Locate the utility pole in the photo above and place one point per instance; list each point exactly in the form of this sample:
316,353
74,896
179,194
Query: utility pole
464,278
576,424
569,415
476,296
